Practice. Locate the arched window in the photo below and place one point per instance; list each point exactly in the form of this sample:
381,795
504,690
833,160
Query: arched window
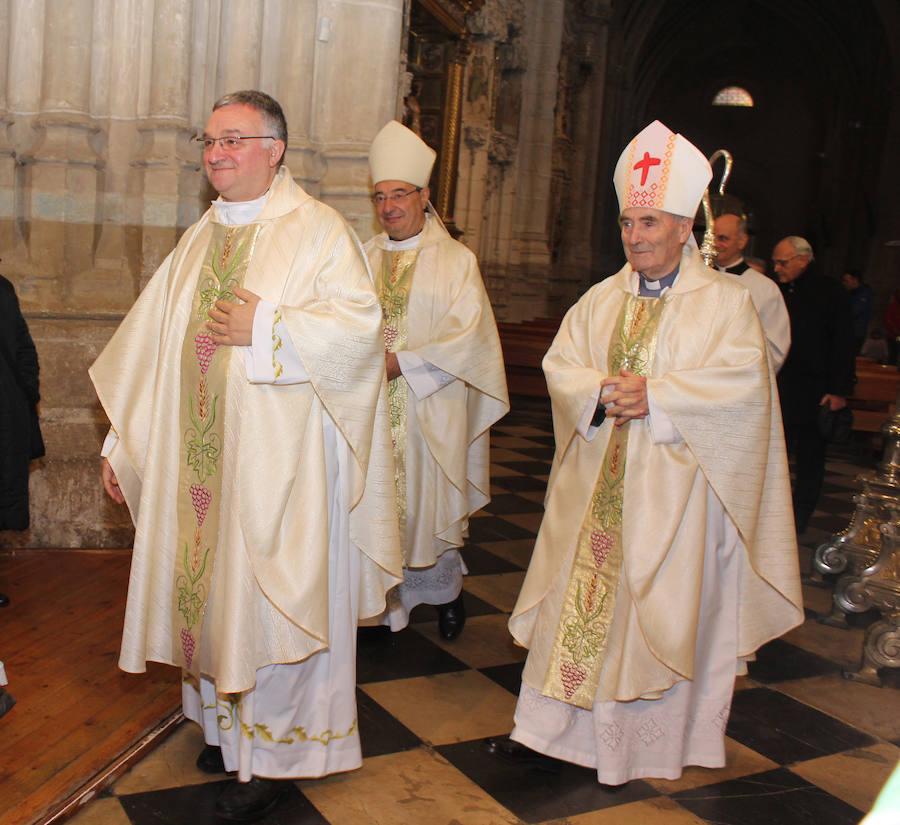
733,96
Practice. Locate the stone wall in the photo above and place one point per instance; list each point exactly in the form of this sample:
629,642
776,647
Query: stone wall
98,176
535,79
505,162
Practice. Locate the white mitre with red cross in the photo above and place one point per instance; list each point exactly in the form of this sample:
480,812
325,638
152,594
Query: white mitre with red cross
660,169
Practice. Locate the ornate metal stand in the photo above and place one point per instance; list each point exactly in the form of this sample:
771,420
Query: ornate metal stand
867,552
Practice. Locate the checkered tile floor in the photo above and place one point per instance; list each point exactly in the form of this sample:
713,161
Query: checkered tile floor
804,744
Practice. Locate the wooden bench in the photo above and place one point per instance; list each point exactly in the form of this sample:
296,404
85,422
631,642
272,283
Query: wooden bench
524,346
874,395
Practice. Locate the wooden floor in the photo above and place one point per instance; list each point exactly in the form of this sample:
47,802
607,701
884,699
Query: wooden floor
76,713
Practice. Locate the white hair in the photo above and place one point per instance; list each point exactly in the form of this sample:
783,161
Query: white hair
801,246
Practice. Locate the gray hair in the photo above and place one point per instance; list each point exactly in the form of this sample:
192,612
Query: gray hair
266,105
742,221
801,246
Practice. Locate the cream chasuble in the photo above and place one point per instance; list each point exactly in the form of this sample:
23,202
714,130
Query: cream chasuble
446,318
583,629
265,581
710,375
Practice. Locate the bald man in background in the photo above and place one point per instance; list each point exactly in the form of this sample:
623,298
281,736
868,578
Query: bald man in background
731,239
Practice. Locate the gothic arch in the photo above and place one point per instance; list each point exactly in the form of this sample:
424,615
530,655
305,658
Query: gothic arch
811,155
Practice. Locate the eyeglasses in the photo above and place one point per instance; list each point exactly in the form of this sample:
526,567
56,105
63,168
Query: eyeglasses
785,262
229,143
380,199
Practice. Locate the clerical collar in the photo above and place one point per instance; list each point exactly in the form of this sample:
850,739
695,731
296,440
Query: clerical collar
656,289
409,243
733,268
233,213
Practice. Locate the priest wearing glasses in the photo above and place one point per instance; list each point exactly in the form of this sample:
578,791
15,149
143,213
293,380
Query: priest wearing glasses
445,371
247,398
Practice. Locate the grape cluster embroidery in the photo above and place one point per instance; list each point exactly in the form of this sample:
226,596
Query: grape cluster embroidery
187,645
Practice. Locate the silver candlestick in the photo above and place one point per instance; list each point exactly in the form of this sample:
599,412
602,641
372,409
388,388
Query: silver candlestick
867,553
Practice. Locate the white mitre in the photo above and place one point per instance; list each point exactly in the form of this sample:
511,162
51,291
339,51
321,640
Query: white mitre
661,170
398,153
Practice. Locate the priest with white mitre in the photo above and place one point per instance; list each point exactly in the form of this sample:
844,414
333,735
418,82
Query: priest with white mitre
447,382
667,553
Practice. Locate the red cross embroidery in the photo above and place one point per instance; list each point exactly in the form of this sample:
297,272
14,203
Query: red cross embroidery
644,165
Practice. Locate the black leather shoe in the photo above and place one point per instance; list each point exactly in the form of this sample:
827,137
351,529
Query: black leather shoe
249,801
6,702
451,618
4,600
210,760
507,749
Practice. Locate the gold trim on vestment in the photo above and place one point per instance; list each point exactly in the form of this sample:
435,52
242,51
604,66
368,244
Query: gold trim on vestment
579,649
394,284
229,709
277,366
204,374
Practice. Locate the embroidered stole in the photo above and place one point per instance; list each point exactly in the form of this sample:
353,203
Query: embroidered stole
582,633
204,374
393,285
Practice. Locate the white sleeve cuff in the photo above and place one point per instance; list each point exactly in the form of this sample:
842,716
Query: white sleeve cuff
108,443
423,378
258,356
584,428
272,358
662,428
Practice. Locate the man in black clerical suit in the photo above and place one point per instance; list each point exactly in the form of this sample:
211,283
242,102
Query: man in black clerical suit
820,368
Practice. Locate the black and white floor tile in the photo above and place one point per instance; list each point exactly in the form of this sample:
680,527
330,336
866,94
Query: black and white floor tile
805,745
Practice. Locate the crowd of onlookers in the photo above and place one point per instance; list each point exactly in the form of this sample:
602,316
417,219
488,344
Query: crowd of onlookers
877,342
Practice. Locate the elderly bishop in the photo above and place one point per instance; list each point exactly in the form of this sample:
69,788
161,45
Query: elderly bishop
667,552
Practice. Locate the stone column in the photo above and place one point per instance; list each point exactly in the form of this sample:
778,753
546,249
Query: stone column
60,167
288,72
577,151
357,51
165,166
476,133
24,42
7,153
240,42
490,144
506,163
543,31
98,179
116,62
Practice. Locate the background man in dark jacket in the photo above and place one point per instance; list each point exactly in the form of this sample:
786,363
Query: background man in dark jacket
20,434
820,367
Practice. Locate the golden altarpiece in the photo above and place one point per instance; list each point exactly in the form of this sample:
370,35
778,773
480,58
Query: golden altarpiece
437,48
